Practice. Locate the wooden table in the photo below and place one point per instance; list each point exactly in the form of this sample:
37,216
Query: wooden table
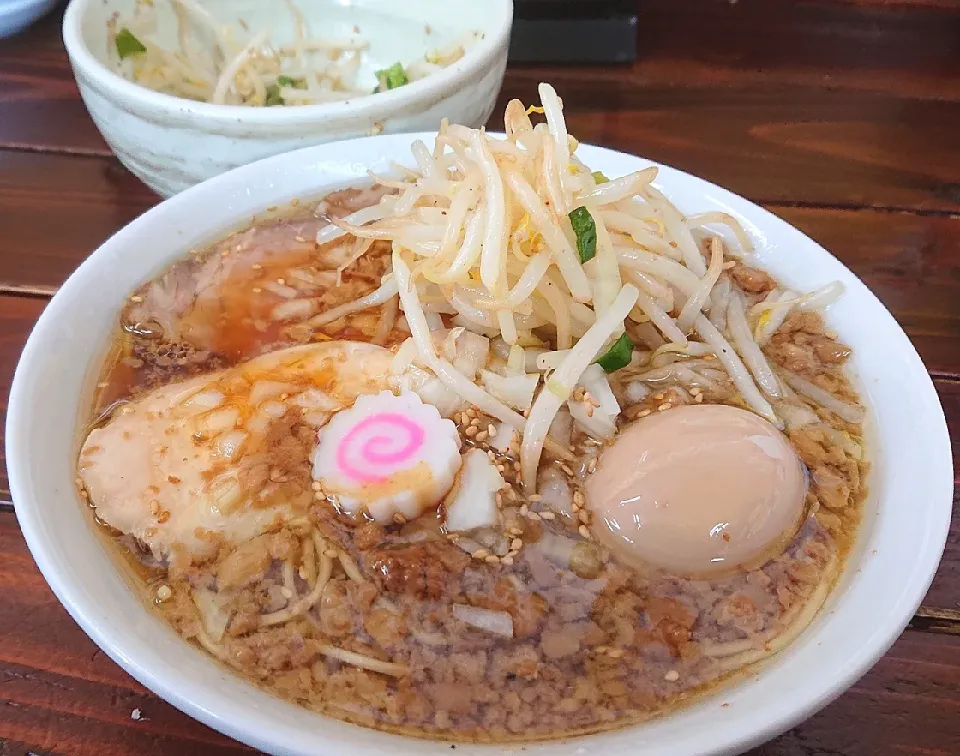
841,116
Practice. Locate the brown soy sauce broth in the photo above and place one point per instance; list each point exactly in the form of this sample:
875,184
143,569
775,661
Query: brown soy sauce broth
213,309
596,644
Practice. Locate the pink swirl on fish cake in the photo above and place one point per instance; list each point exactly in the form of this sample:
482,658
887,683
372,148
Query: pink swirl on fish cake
365,463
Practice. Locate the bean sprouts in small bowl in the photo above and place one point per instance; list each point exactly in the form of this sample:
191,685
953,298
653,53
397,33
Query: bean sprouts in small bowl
183,90
235,63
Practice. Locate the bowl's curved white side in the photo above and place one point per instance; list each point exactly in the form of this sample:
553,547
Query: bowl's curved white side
171,155
896,558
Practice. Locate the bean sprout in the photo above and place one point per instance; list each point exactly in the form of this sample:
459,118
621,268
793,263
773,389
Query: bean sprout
208,64
483,229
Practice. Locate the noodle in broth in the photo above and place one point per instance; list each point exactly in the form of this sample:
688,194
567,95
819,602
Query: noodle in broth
472,297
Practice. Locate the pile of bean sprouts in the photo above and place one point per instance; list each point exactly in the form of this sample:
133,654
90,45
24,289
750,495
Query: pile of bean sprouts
481,231
228,65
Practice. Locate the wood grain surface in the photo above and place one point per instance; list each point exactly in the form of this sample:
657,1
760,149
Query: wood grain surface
840,116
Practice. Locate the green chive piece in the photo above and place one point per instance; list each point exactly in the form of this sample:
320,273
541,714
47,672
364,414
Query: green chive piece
586,230
273,95
599,177
128,45
287,81
273,91
391,78
617,356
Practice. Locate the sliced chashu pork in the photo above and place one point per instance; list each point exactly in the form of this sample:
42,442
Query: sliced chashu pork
223,457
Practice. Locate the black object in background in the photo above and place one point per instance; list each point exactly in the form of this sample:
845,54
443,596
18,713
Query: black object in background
574,31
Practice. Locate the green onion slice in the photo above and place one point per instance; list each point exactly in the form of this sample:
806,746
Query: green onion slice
128,45
287,81
586,230
273,95
391,78
599,177
617,356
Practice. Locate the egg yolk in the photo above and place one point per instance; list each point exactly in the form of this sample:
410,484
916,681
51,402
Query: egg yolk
698,491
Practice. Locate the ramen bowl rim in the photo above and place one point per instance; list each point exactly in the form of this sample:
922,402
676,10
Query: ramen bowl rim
890,572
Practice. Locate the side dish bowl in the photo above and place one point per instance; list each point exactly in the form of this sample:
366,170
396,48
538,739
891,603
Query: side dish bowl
902,537
172,143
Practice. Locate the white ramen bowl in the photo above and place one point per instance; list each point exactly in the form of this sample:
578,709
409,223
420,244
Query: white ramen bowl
172,143
888,573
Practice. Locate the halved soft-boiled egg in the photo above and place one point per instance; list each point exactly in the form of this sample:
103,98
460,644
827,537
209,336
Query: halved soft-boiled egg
698,491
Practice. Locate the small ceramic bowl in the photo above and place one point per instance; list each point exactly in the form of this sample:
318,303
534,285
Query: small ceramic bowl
888,572
172,143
